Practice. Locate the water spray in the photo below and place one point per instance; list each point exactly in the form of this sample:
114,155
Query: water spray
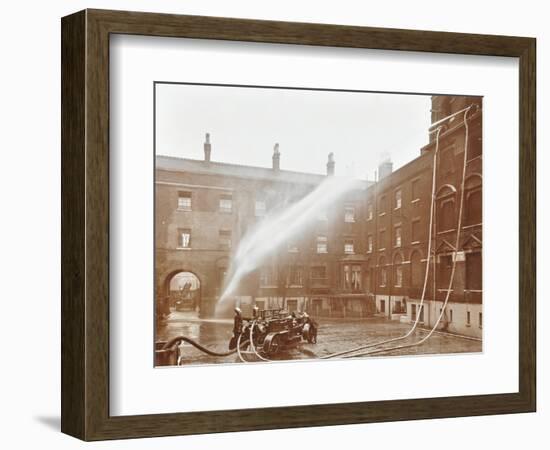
277,228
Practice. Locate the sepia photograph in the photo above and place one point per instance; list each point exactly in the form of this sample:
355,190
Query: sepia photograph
299,223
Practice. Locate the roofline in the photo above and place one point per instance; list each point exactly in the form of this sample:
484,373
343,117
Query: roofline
320,177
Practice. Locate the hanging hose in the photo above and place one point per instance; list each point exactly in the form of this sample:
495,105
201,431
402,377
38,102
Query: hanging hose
415,324
453,269
352,353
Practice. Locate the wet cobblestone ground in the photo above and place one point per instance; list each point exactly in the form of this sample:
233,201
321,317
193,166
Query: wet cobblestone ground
335,335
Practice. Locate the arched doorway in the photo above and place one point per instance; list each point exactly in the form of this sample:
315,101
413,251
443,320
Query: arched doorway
183,290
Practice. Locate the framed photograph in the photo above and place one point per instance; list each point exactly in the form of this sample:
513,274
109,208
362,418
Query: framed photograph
273,225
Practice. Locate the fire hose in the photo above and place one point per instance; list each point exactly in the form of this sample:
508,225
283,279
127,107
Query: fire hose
352,353
179,339
358,351
453,269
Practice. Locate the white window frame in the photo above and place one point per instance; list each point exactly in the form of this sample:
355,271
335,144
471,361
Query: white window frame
349,244
181,241
189,199
224,209
349,214
398,237
398,197
322,241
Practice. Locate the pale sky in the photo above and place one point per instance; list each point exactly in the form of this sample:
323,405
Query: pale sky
245,123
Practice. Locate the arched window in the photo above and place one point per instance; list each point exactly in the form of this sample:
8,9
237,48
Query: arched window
382,272
417,269
445,267
446,219
398,270
473,200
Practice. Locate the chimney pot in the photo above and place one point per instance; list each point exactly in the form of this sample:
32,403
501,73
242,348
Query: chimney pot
276,157
207,148
384,169
330,164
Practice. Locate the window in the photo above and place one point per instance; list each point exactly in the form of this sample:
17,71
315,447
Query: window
322,246
446,208
473,200
356,277
292,305
368,278
349,214
184,238
417,269
421,313
295,275
260,208
382,272
318,273
292,247
446,215
399,276
398,270
184,201
446,161
474,279
225,239
369,211
445,268
468,322
398,199
415,190
348,246
397,241
473,207
415,230
382,205
480,320
226,203
352,277
450,315
347,277
369,243
382,240
268,276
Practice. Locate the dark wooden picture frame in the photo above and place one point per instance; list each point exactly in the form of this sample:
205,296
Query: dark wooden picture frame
85,224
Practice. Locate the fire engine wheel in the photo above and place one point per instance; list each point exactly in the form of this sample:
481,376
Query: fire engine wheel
312,335
309,333
273,344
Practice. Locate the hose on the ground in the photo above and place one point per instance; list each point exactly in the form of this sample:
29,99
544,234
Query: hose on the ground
453,269
195,344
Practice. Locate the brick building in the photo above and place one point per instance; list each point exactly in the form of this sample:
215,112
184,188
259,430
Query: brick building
398,223
366,255
204,208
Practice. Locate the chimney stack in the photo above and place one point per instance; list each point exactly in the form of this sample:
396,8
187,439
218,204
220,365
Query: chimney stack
276,158
207,148
385,168
330,164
